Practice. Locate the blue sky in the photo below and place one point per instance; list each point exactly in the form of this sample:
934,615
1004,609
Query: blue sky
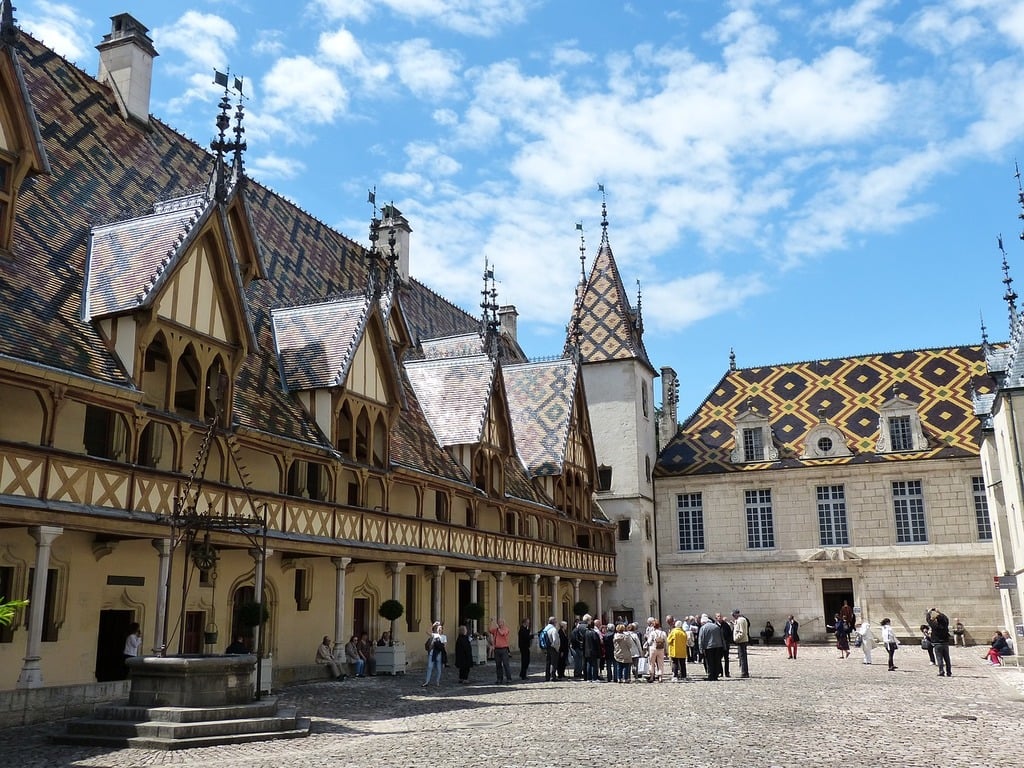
794,180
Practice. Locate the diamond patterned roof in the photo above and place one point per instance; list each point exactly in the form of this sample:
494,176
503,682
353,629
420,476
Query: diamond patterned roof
540,400
454,394
315,342
850,392
609,327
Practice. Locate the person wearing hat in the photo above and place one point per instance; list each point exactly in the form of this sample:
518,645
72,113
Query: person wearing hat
741,636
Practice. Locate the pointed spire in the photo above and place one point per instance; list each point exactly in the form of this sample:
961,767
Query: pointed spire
222,145
238,167
489,321
604,215
1010,297
732,359
985,348
639,322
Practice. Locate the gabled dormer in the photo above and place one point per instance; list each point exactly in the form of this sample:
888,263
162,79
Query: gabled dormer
753,438
21,145
337,359
825,441
166,292
899,426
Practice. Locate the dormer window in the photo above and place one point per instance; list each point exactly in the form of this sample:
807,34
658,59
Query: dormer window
753,438
899,427
824,441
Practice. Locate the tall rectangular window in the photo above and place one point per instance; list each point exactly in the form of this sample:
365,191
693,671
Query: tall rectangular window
753,445
690,513
981,509
832,529
900,436
908,506
760,528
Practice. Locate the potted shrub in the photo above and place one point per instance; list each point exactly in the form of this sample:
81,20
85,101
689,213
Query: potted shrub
581,608
391,610
391,659
474,612
252,614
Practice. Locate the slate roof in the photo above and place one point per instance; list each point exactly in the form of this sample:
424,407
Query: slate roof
540,400
454,394
470,344
315,342
609,328
849,391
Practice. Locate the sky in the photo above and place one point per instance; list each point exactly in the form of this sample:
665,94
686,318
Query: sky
789,180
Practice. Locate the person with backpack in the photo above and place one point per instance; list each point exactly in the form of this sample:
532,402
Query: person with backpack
656,638
550,643
435,646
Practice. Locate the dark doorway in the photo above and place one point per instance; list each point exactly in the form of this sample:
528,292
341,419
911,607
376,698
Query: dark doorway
360,616
242,596
834,592
463,602
195,622
110,639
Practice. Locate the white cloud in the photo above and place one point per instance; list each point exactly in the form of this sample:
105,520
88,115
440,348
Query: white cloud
862,21
569,54
298,88
203,38
268,43
61,27
273,166
424,70
342,49
673,305
478,18
426,158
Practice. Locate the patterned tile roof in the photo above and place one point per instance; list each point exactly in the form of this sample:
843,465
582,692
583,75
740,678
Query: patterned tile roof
454,394
127,260
470,344
609,328
540,401
849,392
315,342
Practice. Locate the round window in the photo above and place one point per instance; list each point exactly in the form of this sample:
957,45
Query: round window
824,444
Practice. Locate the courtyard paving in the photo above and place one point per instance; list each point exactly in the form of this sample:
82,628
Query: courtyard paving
817,710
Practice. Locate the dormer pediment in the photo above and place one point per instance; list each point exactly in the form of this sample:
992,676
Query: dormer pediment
753,438
899,426
825,441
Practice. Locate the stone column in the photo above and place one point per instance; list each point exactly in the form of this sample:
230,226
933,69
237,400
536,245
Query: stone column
575,593
535,624
395,571
436,585
473,598
260,558
340,564
499,604
600,585
31,671
163,572
555,603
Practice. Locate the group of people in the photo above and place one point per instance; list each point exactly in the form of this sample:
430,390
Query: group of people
359,656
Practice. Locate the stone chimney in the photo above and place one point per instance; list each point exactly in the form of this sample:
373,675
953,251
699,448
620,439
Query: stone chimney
669,406
391,217
126,65
507,317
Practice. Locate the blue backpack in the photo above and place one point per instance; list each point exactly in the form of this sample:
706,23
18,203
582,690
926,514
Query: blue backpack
542,639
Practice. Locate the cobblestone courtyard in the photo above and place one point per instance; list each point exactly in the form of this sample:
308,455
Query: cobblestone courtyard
817,710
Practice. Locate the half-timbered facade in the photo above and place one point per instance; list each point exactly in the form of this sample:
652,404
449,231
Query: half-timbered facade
176,338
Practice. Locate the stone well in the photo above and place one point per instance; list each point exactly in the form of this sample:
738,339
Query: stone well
190,681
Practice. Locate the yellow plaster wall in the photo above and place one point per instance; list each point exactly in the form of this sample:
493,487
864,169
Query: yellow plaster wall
22,419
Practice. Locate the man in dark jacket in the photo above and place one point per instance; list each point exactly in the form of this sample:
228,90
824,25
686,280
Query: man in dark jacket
938,623
579,634
711,644
525,638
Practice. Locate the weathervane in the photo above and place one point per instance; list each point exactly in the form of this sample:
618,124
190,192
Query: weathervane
489,323
222,145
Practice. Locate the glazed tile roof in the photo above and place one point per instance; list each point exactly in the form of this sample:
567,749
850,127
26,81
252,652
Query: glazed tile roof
540,401
315,342
849,392
127,260
454,394
470,344
609,328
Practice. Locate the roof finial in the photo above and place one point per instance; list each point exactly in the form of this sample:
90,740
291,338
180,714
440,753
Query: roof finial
1010,297
489,323
604,214
239,131
222,145
583,254
575,330
8,29
984,331
639,323
732,359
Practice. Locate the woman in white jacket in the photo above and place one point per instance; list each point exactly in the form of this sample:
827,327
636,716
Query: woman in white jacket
889,641
866,640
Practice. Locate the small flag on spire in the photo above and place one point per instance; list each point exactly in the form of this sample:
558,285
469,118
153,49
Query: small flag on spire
1000,240
579,226
219,78
371,196
238,85
600,187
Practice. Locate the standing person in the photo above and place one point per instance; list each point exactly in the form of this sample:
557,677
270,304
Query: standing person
325,656
867,640
711,645
132,643
926,643
889,641
637,648
591,653
463,654
579,632
741,637
525,638
500,638
938,623
656,640
563,649
608,651
791,636
842,637
436,651
622,654
551,648
677,651
726,640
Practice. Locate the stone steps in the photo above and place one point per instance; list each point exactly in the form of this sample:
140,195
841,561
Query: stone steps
171,728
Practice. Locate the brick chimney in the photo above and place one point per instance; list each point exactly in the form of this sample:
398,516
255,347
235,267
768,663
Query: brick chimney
126,65
507,317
